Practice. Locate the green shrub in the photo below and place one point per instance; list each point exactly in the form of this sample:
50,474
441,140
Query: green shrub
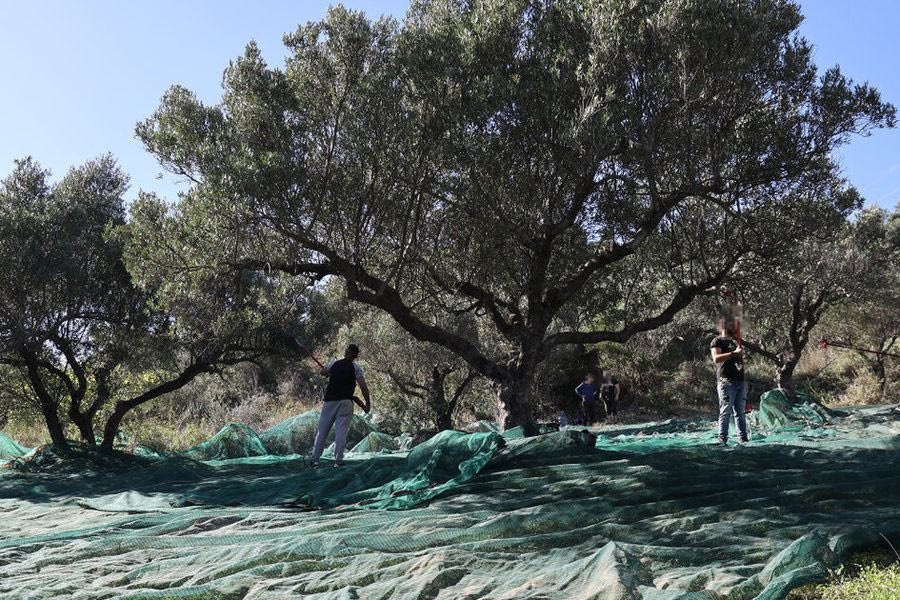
693,383
873,575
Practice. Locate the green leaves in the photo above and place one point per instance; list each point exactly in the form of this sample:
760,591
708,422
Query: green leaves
54,240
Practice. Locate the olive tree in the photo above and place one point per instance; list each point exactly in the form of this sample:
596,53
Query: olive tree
850,266
870,323
506,157
74,328
65,296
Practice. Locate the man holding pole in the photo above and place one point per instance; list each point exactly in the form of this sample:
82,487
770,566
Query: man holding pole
728,357
337,409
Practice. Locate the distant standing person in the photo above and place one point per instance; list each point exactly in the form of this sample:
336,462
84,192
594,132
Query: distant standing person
337,410
730,384
610,390
587,391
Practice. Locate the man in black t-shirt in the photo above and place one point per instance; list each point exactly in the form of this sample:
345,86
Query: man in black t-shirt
609,392
730,384
343,377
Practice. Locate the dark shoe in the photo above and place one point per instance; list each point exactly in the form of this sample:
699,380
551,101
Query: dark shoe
314,465
744,440
723,441
339,464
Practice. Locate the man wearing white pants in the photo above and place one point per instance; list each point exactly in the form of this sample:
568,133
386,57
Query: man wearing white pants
337,409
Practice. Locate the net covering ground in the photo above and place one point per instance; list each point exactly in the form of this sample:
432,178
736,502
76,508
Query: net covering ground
656,511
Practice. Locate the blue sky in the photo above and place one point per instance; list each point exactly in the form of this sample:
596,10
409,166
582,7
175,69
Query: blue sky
77,75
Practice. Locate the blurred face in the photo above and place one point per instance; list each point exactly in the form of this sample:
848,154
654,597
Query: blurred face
726,327
589,378
605,374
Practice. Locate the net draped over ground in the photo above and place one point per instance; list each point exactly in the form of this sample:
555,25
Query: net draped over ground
656,511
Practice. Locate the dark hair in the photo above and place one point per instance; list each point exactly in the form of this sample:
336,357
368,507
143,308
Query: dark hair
353,350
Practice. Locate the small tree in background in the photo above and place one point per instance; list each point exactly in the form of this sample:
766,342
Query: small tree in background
871,321
845,266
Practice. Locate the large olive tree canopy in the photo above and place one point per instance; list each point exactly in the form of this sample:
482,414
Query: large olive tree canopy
519,158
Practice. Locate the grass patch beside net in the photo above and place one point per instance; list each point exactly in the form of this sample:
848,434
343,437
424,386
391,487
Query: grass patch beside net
869,575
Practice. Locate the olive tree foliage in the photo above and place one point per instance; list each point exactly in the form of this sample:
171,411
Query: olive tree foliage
67,306
78,338
516,159
870,320
849,266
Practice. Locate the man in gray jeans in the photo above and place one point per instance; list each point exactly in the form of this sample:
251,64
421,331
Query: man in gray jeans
730,384
343,376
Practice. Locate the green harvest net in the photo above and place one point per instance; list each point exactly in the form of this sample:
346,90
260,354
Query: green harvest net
297,434
377,442
10,449
235,440
656,511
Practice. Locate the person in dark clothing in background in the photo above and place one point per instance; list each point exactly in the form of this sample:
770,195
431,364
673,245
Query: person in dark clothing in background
337,410
610,391
730,384
587,391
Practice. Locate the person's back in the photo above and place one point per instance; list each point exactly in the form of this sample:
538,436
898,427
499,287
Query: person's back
341,380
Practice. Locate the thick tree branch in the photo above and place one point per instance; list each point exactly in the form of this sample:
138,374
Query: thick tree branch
558,296
406,387
682,299
757,348
484,299
364,287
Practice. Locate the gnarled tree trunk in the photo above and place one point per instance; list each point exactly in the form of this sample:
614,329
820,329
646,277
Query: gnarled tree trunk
437,399
111,429
48,405
442,407
84,420
514,402
85,426
784,379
